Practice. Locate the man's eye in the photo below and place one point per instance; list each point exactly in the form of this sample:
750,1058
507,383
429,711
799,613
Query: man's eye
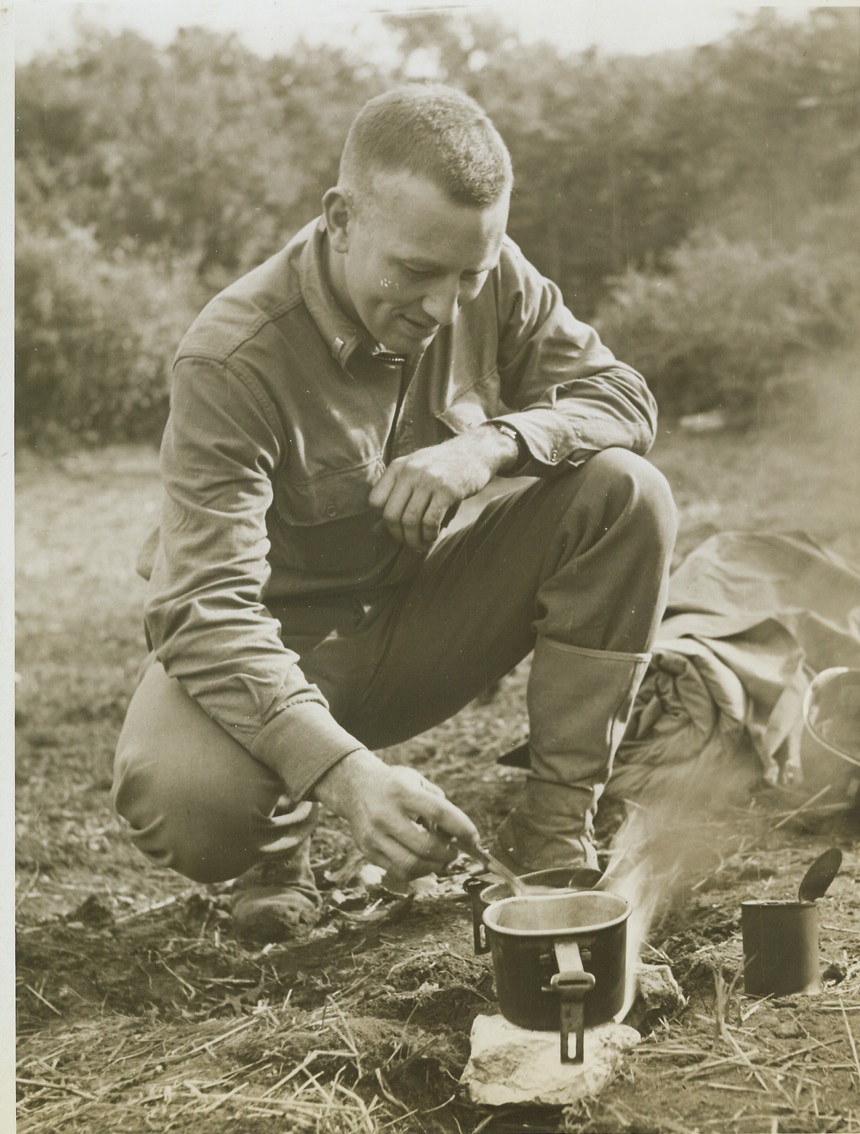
414,271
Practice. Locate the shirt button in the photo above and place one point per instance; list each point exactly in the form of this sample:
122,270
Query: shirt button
331,509
553,455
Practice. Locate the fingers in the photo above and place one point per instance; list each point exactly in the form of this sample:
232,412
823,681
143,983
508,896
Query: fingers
431,836
416,827
433,811
413,851
431,524
450,822
413,778
400,821
413,502
414,519
404,516
417,492
409,851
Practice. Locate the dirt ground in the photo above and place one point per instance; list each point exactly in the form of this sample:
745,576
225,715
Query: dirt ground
138,1009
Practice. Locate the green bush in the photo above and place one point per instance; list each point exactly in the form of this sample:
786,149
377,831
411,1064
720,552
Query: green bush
94,339
727,318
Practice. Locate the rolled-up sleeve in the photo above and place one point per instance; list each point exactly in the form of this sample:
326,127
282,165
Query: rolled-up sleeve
204,611
569,396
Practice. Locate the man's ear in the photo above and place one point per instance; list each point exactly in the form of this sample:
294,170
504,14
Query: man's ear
338,211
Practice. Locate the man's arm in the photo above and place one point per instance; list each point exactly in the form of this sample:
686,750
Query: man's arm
212,631
208,623
567,393
569,397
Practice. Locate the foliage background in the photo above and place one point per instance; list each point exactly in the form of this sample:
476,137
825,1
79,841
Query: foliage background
700,206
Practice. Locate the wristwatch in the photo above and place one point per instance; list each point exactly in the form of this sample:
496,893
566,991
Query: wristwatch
522,449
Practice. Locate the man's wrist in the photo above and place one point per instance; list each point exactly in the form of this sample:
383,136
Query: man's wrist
516,453
337,787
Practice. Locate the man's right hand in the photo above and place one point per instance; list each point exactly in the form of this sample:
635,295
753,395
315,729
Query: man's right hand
400,821
417,491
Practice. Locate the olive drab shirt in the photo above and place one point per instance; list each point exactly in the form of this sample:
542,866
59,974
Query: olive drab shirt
283,417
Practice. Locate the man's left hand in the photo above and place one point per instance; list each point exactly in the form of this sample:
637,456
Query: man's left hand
416,493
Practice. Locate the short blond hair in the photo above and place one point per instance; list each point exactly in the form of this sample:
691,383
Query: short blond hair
434,131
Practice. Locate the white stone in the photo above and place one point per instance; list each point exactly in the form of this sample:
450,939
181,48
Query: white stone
514,1065
658,989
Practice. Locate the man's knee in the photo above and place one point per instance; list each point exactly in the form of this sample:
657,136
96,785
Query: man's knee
634,492
192,797
167,824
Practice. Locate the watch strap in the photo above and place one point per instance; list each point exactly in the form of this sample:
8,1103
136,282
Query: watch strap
522,449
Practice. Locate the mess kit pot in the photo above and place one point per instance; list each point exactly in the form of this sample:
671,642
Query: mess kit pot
559,961
830,742
483,892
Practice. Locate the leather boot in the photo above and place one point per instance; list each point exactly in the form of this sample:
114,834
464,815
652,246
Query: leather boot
579,703
277,898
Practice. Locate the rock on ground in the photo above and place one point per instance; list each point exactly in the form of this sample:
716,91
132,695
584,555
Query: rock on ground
514,1065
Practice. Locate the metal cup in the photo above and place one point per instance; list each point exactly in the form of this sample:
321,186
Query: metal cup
560,962
780,941
483,890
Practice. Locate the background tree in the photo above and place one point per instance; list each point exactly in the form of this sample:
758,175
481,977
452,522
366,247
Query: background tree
656,191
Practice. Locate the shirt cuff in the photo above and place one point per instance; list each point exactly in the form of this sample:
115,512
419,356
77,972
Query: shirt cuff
301,743
548,439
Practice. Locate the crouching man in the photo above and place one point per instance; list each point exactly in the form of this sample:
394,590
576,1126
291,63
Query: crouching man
329,413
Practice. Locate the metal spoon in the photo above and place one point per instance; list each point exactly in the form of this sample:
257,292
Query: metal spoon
818,877
479,852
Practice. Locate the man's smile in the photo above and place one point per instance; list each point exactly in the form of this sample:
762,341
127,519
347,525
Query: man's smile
423,330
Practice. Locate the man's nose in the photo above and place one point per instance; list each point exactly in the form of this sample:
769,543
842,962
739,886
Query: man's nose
442,301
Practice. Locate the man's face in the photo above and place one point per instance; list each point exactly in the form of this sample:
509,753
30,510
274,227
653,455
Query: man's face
408,258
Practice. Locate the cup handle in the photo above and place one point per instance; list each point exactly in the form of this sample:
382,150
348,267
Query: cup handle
473,887
572,983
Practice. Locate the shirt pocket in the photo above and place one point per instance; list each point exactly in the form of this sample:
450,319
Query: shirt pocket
325,526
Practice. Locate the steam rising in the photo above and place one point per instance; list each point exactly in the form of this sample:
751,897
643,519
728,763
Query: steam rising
668,841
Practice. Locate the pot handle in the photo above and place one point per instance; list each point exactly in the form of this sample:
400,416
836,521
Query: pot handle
473,887
572,983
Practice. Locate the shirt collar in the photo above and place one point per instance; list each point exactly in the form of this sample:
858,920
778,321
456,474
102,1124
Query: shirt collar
341,335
